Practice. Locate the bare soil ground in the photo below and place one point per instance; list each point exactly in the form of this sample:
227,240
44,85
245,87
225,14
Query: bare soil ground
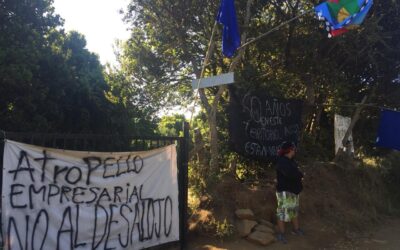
383,237
341,207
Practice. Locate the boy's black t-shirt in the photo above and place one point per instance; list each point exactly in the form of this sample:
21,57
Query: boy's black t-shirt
288,176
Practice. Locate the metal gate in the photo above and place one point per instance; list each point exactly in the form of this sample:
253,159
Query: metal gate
114,143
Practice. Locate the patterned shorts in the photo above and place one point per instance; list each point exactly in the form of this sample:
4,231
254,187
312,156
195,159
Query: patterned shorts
288,206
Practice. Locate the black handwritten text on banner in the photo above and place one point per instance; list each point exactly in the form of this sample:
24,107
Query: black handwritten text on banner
259,124
56,199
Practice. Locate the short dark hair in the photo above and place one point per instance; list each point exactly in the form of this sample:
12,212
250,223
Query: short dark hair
285,147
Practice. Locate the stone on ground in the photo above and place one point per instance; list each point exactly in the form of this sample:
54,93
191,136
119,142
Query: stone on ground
263,228
244,227
261,238
209,247
244,214
266,223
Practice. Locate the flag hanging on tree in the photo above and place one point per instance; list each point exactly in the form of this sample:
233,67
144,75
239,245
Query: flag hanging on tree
230,34
388,133
342,15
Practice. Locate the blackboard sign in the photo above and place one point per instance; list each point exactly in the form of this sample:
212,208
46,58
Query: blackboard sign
258,124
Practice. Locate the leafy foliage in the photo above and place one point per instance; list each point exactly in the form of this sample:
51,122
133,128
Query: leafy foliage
171,125
50,82
169,41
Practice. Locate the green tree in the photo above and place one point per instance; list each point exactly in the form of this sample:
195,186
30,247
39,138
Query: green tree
50,82
171,125
165,51
24,26
170,38
129,116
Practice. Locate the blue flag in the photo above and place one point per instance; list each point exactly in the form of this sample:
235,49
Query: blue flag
389,130
230,34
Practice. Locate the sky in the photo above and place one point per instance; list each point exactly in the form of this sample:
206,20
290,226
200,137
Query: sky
98,20
101,24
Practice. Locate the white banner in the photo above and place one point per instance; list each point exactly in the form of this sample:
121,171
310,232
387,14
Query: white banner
59,199
342,123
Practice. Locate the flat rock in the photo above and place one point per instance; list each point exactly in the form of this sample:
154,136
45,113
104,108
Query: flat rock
210,247
244,214
263,228
266,223
244,227
261,238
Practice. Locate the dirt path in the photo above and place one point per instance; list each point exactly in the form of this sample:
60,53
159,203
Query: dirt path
385,237
317,235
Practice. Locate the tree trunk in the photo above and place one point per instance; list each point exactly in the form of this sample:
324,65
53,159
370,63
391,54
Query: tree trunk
308,107
212,115
354,119
214,149
310,99
316,121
